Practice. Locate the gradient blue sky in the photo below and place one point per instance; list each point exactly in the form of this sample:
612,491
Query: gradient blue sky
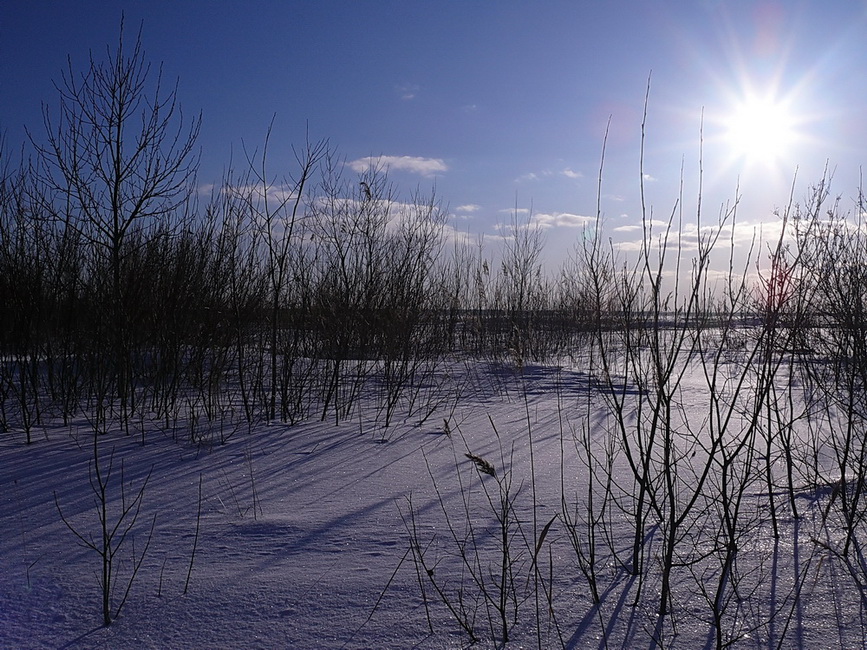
500,103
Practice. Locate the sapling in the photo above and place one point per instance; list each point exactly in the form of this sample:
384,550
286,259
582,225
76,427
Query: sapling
115,523
427,572
195,539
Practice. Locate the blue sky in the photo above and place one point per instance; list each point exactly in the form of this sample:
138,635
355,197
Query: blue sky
498,103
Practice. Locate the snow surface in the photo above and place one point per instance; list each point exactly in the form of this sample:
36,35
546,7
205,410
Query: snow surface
304,537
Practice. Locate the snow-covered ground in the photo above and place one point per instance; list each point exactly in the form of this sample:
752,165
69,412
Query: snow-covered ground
340,536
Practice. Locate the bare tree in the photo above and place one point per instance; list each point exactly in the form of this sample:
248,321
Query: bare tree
120,156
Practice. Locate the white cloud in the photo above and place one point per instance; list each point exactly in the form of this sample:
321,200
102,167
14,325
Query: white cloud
561,219
570,173
469,207
628,246
412,164
453,235
655,224
742,235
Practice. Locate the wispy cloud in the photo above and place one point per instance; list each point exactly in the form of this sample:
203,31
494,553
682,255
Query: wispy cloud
568,172
412,164
274,194
407,92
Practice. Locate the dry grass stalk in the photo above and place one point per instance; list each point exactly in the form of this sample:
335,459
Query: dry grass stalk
481,464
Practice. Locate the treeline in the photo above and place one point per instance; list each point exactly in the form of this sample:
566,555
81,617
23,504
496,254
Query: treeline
276,297
278,301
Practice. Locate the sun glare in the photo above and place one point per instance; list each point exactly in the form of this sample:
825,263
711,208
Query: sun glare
760,130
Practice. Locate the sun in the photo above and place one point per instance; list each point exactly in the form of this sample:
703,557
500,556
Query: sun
760,130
